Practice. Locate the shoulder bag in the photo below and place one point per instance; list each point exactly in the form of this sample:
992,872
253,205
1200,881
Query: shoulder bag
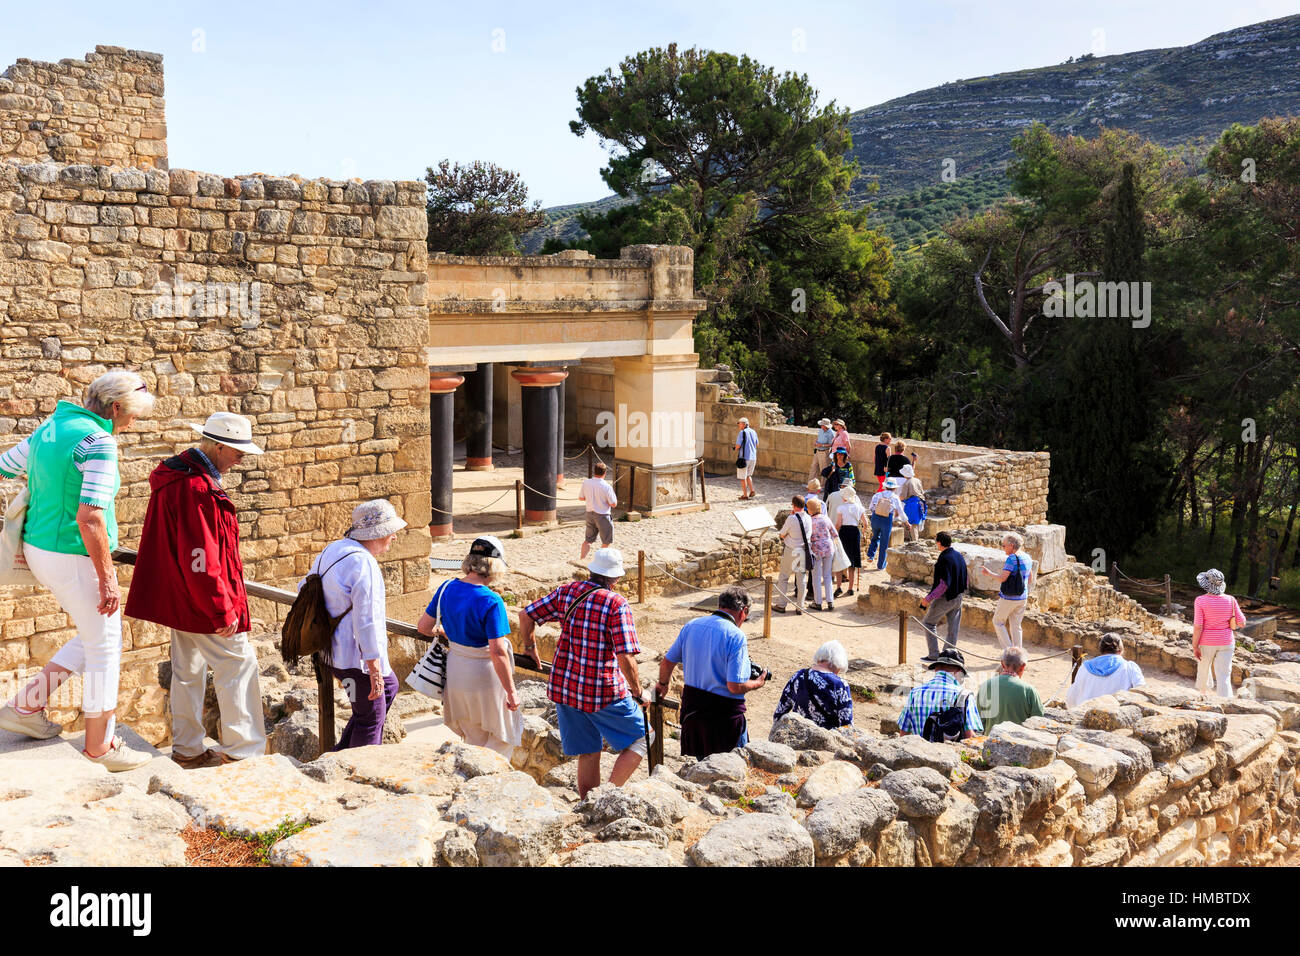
429,675
13,562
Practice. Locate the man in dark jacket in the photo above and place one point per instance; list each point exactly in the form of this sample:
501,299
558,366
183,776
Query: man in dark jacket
189,577
944,599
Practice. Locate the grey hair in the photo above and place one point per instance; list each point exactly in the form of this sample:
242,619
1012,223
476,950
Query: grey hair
1013,658
491,568
733,598
833,654
119,386
1016,539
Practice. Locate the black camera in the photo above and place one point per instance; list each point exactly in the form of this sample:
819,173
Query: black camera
756,672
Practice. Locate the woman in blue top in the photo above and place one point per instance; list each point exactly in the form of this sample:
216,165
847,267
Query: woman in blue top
479,703
819,692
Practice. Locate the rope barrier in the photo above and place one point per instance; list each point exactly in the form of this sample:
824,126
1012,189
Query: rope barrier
826,620
477,510
579,454
1153,588
968,653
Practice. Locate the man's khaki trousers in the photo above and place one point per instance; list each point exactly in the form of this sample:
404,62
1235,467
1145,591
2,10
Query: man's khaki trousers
239,694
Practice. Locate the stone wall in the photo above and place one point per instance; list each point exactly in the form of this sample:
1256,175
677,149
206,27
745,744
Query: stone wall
299,304
1000,487
105,109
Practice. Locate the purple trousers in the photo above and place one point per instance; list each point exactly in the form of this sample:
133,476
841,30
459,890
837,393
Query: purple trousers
366,726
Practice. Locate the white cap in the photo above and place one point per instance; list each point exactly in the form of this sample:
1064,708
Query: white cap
607,562
743,421
908,471
488,546
229,429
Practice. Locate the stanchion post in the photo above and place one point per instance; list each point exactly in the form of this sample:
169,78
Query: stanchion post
656,755
591,464
902,636
519,505
767,605
1076,656
631,487
1169,596
704,489
640,577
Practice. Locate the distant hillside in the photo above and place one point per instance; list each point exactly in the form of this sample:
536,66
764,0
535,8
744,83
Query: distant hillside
1171,96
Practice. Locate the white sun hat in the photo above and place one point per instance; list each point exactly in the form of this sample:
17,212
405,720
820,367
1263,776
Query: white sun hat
607,562
229,429
374,519
907,471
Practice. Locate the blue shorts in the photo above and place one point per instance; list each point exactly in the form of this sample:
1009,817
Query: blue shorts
621,723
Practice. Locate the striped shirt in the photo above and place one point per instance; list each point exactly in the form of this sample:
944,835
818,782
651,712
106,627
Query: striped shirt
1215,613
95,456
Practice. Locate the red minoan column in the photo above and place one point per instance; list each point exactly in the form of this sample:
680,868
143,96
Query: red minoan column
539,387
442,388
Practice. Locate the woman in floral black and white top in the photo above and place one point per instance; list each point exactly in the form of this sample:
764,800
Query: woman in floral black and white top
818,692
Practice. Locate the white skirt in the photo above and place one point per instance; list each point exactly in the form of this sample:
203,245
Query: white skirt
474,702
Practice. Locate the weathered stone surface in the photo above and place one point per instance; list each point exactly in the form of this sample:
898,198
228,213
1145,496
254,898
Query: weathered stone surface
754,839
1108,852
897,846
1190,766
830,780
1096,818
1133,756
471,762
1014,745
1243,705
460,848
727,766
651,801
249,797
902,753
400,831
1210,725
1045,543
953,829
1246,735
1269,688
1096,766
515,820
1146,791
1167,736
71,812
800,733
977,556
628,853
840,822
1005,797
919,792
771,756
1289,671
630,828
408,767
776,801
1107,713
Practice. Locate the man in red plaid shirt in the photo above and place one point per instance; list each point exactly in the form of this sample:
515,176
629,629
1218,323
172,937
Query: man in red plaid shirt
594,681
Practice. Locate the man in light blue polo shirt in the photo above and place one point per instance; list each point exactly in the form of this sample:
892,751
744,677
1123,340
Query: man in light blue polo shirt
715,665
746,458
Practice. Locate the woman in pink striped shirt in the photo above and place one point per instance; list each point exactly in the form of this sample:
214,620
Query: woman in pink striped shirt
1217,616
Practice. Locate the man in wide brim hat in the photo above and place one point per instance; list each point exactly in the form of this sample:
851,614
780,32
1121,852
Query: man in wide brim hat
941,692
189,577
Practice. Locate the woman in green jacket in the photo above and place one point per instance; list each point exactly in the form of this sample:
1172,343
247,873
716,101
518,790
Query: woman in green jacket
68,539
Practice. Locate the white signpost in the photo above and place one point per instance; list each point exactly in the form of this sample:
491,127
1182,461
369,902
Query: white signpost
753,521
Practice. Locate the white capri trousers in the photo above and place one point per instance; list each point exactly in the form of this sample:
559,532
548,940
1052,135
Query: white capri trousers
96,652
1215,668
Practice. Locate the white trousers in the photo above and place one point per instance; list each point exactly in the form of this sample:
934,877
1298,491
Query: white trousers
239,694
1214,669
792,565
1006,622
96,652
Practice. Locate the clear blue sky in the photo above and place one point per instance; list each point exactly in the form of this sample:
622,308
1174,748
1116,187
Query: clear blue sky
382,89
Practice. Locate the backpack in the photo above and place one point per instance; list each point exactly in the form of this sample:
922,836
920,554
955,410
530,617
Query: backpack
1014,585
309,627
947,724
883,502
916,509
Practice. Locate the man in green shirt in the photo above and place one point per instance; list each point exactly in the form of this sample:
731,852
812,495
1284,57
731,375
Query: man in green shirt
1006,696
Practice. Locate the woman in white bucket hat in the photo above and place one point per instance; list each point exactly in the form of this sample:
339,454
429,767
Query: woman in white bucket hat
354,588
479,703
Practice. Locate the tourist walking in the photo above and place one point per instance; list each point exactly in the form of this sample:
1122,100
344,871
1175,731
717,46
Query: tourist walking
884,507
796,557
895,463
717,675
1006,696
600,498
594,682
353,586
69,534
841,439
1107,673
480,703
912,491
943,698
882,459
746,458
850,523
944,600
822,543
189,554
820,693
839,474
1017,577
821,448
812,489
1215,621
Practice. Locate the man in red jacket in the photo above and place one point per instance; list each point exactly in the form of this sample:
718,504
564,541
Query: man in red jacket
189,577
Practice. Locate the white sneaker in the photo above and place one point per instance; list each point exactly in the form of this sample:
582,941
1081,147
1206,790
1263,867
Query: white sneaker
119,757
30,725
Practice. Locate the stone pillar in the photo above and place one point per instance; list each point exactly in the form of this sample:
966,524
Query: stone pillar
559,433
654,401
538,388
442,389
478,414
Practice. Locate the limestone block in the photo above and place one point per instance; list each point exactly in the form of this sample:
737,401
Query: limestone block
721,766
1146,791
953,829
1012,744
621,853
754,839
1167,736
247,798
399,831
837,824
831,779
1096,766
1190,767
1045,543
919,792
515,822
897,845
900,753
653,802
1269,688
772,757
978,556
1056,853
1246,735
